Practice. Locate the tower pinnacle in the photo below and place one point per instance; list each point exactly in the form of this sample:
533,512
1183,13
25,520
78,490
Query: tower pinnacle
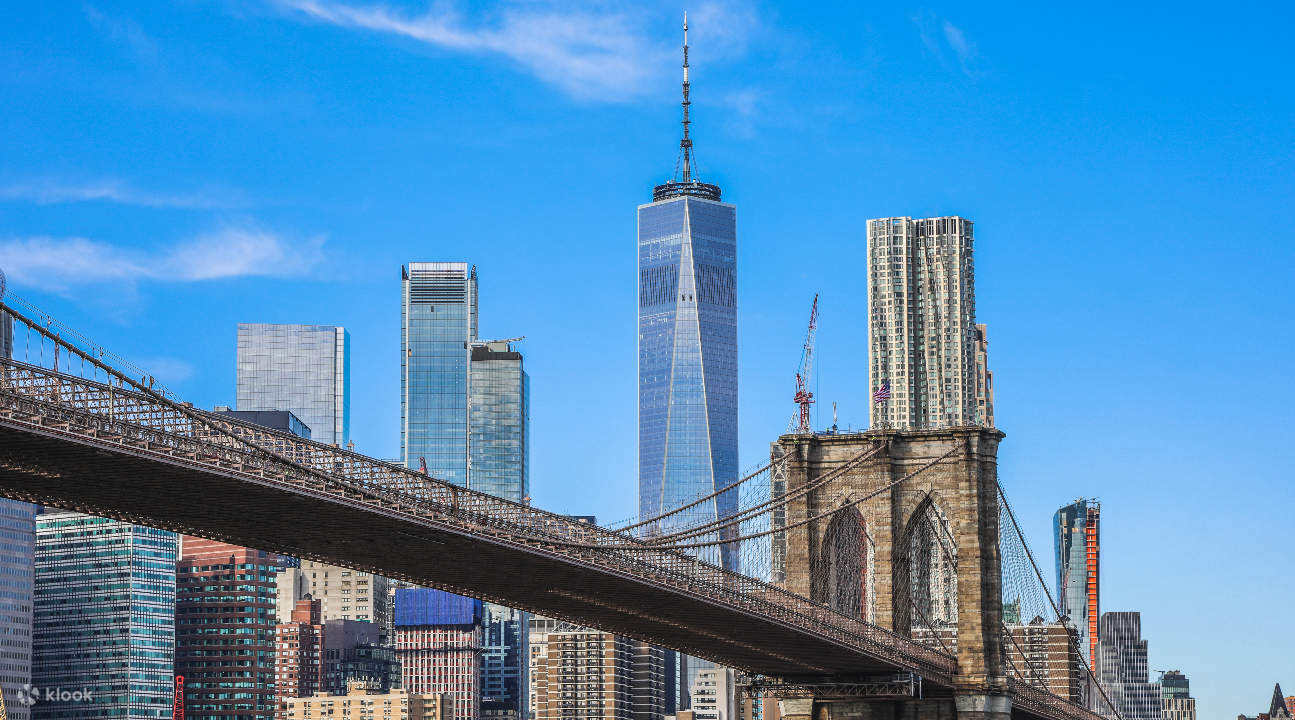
685,145
685,183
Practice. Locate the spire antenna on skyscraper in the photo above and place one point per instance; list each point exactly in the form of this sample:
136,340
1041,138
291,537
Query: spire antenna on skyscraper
685,145
685,183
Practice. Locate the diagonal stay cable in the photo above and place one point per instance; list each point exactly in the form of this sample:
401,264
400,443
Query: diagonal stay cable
1038,573
699,500
644,547
753,512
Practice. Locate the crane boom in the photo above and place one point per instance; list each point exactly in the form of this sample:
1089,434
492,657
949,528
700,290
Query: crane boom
804,398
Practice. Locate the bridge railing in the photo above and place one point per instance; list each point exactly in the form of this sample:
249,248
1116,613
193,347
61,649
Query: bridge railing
147,422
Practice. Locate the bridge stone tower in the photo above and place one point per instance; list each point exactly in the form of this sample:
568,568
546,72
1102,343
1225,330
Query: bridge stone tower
920,557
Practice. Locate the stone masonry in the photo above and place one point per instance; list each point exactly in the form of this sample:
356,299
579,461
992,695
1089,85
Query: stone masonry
962,487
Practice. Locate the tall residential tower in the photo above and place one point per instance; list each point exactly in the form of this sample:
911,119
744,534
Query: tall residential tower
926,353
1078,554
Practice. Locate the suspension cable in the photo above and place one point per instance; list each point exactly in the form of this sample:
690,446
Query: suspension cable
644,547
744,515
1038,573
698,501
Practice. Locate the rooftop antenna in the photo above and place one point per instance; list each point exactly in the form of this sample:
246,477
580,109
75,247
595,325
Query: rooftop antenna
685,145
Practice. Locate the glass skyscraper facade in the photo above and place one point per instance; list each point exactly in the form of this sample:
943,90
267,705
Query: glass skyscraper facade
438,323
687,322
1077,538
465,408
104,617
302,368
17,558
498,421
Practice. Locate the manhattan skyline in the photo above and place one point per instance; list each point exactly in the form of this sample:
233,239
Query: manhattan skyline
1098,187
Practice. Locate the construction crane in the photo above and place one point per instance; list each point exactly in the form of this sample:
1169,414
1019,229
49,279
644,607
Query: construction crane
804,398
4,714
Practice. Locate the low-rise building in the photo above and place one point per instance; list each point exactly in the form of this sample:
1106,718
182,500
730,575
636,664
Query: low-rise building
361,703
1047,655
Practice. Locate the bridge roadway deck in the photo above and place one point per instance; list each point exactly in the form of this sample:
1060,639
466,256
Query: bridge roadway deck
82,445
59,446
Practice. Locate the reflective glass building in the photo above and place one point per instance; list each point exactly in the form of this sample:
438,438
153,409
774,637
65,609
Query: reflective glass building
687,261
1075,529
499,451
302,368
104,618
438,323
17,558
499,412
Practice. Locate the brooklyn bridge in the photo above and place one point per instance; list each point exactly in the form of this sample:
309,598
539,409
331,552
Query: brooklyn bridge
877,572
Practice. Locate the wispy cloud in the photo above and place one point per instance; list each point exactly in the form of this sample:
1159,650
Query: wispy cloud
590,53
941,37
55,264
48,192
962,47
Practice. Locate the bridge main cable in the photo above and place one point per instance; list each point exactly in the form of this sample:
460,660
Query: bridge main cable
645,547
744,515
1039,574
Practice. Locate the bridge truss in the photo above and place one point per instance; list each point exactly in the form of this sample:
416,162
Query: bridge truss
83,429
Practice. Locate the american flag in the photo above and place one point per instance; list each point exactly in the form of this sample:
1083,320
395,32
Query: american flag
422,465
882,394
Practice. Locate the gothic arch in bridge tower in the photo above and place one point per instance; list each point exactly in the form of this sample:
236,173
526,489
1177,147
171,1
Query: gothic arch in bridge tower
926,576
842,577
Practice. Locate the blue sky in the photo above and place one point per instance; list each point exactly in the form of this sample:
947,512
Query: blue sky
171,169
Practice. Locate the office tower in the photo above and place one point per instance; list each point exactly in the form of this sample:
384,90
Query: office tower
503,662
225,630
1046,655
104,618
498,442
375,666
984,378
713,695
347,594
1122,669
438,645
17,571
580,672
302,368
341,639
438,323
687,342
298,655
922,343
1176,701
363,703
1077,544
498,421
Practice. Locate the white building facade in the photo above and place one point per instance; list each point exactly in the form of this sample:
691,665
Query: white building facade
922,335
